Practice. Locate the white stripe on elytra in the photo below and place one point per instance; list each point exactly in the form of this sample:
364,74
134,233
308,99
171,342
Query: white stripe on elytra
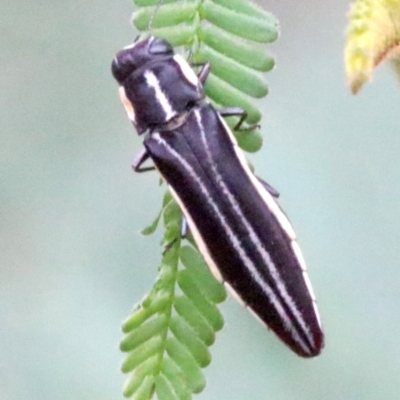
300,258
266,196
299,255
236,243
256,241
275,209
162,99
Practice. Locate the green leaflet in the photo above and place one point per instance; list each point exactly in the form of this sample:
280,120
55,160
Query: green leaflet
250,141
153,226
185,335
168,335
164,388
180,35
138,378
167,15
244,26
188,311
223,93
145,390
245,52
143,312
181,355
248,8
176,378
239,76
196,266
142,353
143,333
204,306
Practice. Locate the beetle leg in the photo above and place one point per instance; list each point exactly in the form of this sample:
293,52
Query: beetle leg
141,158
237,112
272,191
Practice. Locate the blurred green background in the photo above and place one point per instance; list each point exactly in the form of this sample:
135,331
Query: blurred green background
72,263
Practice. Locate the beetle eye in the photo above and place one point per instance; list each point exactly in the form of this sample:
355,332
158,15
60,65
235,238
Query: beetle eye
122,65
160,46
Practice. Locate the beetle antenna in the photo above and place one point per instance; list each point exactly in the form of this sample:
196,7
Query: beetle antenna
155,11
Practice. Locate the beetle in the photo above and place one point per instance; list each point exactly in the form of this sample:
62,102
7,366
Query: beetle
238,226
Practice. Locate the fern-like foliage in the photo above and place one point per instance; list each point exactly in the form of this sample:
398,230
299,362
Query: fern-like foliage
373,35
231,34
168,334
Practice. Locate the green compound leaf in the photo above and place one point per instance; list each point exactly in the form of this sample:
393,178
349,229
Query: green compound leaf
169,333
229,34
373,35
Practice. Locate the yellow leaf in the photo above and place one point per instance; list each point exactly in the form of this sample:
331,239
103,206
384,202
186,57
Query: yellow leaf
373,35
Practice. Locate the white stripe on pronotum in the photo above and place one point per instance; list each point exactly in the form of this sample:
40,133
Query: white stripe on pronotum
186,70
161,97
